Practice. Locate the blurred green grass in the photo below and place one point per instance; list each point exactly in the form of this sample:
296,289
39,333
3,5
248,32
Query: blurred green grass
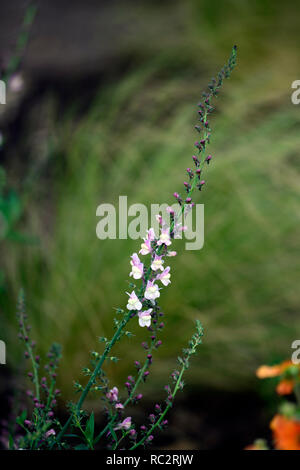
136,139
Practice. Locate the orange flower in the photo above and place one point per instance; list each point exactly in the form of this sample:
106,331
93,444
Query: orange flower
264,372
285,387
286,433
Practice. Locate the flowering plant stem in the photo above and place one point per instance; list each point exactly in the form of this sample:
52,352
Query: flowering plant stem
97,369
195,342
142,305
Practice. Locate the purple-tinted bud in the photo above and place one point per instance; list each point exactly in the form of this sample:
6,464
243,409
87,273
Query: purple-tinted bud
57,392
26,354
127,385
27,422
37,358
146,373
159,343
143,428
150,438
208,158
149,356
139,396
132,433
30,374
165,422
161,325
188,200
196,161
50,414
137,364
152,418
176,195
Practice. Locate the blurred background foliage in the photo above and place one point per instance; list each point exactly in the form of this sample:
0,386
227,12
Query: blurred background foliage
129,131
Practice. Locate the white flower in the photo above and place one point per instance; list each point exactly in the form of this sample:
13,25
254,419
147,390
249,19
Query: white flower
145,317
164,277
137,269
164,237
133,302
152,291
157,263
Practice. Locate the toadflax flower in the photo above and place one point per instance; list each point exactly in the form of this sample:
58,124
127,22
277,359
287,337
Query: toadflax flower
49,433
164,237
112,395
157,263
172,253
152,291
146,246
126,424
164,277
145,317
133,302
137,267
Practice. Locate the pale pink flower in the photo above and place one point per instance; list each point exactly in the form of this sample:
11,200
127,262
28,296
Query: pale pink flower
137,267
152,291
112,395
172,253
133,302
164,237
146,246
119,406
164,277
151,234
126,424
145,317
49,433
157,263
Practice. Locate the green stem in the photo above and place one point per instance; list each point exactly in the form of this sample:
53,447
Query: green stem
163,414
138,381
33,362
95,373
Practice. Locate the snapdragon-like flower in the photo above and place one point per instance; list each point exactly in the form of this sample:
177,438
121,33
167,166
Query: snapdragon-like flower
126,424
172,253
164,277
146,246
152,291
157,263
119,406
164,237
134,302
112,395
137,267
145,317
